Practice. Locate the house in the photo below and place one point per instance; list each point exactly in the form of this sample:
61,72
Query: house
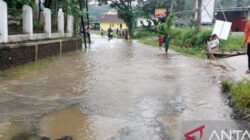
237,15
111,19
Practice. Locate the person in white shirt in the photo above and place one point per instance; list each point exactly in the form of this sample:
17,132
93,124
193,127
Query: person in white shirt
214,47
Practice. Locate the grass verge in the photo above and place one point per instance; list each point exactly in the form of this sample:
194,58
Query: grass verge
187,37
189,51
29,67
240,97
99,33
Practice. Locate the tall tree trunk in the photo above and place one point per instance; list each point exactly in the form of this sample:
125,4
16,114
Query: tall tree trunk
198,20
76,28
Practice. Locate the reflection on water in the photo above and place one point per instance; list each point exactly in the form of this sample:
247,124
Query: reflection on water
125,90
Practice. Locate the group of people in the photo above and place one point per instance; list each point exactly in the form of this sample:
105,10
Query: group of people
120,33
212,46
164,40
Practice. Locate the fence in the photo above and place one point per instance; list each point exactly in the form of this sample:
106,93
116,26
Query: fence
28,34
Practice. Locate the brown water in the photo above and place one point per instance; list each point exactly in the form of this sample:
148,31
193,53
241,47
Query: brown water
114,90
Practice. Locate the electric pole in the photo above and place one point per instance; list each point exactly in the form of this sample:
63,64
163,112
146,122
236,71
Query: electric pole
87,8
172,6
198,17
83,25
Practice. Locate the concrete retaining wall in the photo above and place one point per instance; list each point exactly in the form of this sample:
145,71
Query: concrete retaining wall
18,54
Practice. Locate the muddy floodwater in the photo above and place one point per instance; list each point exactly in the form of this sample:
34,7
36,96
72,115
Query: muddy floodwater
114,90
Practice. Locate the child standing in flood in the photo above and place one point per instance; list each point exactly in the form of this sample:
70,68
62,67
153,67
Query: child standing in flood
161,41
214,47
167,40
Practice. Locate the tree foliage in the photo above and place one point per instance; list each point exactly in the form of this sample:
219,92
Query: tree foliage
19,3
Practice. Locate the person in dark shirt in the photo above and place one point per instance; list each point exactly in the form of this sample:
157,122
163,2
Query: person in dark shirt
167,41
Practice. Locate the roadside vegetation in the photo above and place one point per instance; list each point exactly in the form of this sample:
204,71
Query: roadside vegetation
239,94
185,41
28,67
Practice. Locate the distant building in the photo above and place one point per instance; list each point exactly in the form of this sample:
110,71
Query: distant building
237,15
111,19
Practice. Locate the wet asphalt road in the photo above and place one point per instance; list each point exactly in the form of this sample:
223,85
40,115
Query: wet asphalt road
114,90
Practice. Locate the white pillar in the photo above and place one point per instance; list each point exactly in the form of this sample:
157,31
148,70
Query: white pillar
28,21
47,21
70,25
61,22
3,22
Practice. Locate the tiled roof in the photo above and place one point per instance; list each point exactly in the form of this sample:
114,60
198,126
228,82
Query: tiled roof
110,18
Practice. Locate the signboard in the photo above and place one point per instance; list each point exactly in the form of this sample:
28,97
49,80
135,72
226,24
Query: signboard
222,29
207,11
160,13
207,8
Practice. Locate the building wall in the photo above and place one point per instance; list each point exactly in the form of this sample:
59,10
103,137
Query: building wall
105,26
236,17
18,54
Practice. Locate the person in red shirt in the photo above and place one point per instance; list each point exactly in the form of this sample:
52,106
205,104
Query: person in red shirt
161,41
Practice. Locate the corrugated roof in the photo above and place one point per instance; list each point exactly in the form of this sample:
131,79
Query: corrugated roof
110,18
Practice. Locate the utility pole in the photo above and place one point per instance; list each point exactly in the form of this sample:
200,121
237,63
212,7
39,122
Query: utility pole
87,8
83,25
172,6
198,19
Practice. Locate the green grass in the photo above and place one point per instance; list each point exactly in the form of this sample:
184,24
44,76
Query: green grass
140,34
241,99
29,67
189,51
226,86
234,43
99,33
148,41
95,32
2,74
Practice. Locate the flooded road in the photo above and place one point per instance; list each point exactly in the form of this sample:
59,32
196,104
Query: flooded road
115,90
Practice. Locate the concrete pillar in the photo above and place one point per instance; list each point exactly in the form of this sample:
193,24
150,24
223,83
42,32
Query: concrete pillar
28,21
3,22
61,22
47,21
70,25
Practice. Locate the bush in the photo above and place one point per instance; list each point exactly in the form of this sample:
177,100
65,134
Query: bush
226,86
241,98
188,37
202,37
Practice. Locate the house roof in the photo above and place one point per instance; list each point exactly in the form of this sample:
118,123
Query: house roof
110,16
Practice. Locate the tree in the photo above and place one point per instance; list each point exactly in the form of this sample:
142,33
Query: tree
126,11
